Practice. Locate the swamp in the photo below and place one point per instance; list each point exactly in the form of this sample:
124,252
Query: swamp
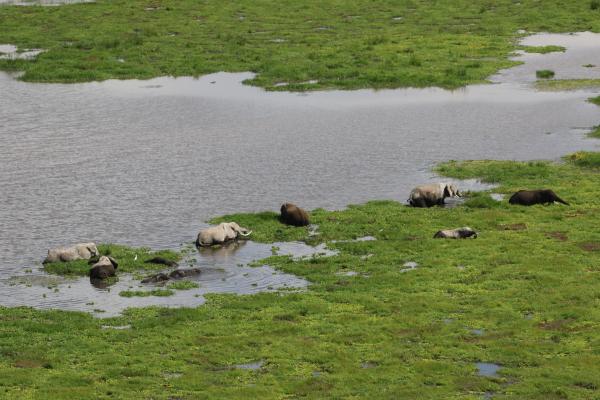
135,124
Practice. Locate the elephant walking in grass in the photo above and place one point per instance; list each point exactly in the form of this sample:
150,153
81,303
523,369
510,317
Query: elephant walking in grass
531,197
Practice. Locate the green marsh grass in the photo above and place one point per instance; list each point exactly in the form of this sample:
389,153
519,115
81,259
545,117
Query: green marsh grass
544,74
182,285
543,49
340,44
529,282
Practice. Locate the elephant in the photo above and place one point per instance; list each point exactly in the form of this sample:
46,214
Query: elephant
432,194
220,234
458,233
177,274
104,268
291,214
531,197
81,251
161,260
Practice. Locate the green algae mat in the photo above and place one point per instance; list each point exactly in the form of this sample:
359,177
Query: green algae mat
511,314
308,44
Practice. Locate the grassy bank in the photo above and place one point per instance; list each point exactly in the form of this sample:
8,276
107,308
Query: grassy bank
340,44
523,295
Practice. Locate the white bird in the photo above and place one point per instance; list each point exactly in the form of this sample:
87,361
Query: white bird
135,258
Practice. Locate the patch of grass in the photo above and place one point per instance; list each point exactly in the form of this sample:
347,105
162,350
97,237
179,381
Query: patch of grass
595,100
595,132
594,5
544,74
125,256
567,84
147,293
342,45
585,159
182,285
480,200
543,49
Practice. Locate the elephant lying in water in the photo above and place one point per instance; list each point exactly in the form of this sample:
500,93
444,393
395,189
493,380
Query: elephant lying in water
531,197
177,274
105,267
432,194
224,232
81,251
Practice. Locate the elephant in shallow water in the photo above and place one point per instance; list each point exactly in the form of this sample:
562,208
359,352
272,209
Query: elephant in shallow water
531,197
432,194
81,251
222,233
104,268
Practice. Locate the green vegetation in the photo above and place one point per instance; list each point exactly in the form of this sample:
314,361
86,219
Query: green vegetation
544,74
523,295
182,285
567,84
341,44
125,256
146,293
585,158
543,49
595,100
595,132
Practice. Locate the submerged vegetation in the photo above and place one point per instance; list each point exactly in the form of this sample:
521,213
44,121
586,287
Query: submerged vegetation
544,74
146,293
567,84
309,44
543,49
129,260
521,300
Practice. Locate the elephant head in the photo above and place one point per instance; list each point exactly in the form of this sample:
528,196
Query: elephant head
233,230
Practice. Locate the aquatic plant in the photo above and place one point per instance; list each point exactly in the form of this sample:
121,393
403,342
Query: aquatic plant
182,285
146,293
544,73
543,49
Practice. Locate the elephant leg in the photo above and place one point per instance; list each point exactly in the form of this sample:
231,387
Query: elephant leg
420,202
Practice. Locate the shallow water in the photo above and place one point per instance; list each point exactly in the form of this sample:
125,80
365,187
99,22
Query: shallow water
144,163
487,369
224,270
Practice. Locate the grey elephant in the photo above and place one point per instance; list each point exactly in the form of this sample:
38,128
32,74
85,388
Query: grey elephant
432,194
222,233
81,251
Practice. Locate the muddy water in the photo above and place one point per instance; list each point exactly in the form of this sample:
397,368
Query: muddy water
146,162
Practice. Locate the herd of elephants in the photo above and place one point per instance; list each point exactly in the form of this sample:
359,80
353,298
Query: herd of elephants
104,266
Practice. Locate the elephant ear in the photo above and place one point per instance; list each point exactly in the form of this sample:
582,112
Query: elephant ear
230,233
447,191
